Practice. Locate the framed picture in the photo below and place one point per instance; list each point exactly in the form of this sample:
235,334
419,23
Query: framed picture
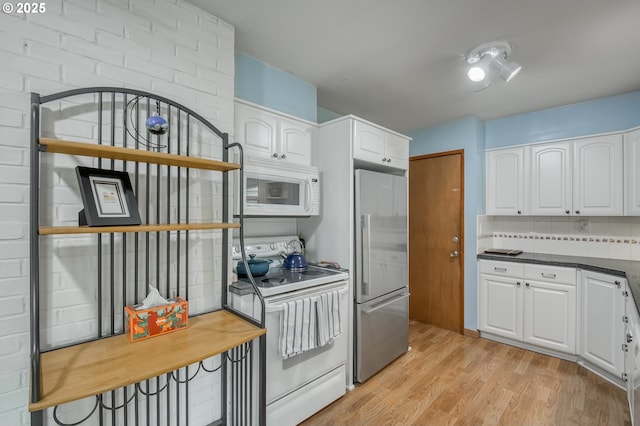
107,197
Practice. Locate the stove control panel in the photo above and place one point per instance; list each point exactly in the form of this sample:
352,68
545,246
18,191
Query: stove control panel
263,248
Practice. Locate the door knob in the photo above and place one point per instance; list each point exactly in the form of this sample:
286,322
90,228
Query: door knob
454,253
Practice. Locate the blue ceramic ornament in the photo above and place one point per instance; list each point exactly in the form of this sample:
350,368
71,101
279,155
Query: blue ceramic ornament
157,125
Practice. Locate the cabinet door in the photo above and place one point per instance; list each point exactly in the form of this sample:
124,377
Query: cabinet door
397,151
601,323
256,130
551,180
369,143
598,176
550,315
500,306
505,181
632,173
295,142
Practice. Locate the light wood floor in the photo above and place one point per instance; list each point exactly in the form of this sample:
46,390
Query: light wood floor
450,379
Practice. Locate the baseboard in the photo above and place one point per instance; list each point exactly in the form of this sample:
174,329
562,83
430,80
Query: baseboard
471,333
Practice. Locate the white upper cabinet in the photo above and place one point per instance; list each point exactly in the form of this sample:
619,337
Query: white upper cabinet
376,145
632,173
551,179
505,181
576,177
266,134
598,176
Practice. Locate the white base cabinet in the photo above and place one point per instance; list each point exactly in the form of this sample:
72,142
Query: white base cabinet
632,359
534,304
601,322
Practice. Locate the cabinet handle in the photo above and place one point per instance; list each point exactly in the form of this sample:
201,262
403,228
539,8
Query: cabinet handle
625,319
548,275
275,155
577,211
519,211
384,160
625,347
617,283
283,156
388,160
499,269
624,377
526,284
567,211
518,283
629,338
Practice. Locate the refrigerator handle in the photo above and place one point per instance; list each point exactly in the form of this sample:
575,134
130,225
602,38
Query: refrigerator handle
385,303
366,252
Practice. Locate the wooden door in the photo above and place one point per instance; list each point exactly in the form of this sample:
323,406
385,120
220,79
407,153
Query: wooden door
436,249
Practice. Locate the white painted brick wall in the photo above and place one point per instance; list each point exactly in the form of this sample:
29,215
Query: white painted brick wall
165,46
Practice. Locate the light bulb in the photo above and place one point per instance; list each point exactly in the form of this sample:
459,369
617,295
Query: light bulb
476,74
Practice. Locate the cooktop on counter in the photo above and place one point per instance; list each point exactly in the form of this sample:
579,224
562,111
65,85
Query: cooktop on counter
508,252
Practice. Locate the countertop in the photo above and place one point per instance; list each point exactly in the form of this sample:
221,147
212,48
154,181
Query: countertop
628,269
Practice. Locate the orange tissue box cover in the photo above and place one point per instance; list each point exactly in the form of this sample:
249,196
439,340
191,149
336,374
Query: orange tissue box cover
146,323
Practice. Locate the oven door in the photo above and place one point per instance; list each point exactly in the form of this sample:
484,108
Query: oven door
285,376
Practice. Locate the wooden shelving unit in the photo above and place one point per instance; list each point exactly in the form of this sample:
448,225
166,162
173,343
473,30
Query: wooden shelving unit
99,366
130,154
111,362
59,230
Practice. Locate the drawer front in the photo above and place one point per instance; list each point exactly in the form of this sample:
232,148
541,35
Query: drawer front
552,274
507,269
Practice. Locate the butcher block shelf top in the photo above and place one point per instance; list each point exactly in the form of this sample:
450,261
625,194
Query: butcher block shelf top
130,154
99,366
57,230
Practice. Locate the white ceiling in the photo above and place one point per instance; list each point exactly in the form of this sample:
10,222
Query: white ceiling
401,63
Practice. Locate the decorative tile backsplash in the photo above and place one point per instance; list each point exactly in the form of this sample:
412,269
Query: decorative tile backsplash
604,237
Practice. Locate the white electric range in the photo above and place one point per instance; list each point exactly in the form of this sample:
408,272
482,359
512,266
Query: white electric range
297,386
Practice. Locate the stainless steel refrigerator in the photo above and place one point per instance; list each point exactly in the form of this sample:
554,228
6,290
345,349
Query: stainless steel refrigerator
381,276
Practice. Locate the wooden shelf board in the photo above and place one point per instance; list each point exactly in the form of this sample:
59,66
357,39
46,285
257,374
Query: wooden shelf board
92,368
130,154
56,230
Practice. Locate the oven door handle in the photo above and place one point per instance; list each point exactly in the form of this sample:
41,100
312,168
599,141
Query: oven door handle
269,307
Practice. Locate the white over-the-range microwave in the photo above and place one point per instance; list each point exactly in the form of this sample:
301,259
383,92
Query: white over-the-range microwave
273,188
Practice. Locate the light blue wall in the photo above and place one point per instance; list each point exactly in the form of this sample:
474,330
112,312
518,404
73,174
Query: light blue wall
586,118
467,134
265,85
325,115
604,115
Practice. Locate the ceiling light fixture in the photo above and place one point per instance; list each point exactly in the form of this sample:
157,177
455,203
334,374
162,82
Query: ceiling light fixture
488,55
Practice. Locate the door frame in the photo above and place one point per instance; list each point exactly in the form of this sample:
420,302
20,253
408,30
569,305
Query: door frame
462,222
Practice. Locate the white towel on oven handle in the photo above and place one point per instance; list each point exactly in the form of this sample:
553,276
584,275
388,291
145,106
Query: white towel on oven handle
298,327
329,317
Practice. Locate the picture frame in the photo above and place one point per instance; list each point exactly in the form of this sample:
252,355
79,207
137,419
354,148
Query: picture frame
108,198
